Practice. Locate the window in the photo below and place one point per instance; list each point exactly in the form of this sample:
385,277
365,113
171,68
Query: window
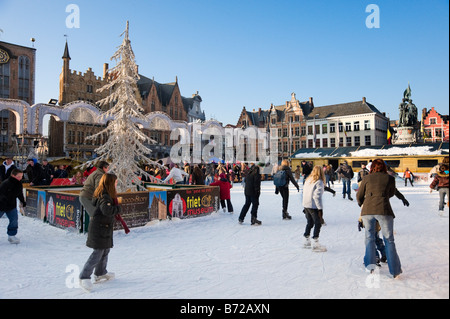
341,127
393,163
324,142
341,141
348,127
358,163
297,145
303,143
297,131
303,128
310,130
297,118
427,163
4,80
356,126
317,129
310,143
368,140
285,132
348,141
432,120
24,77
324,129
89,88
332,128
332,142
357,141
367,125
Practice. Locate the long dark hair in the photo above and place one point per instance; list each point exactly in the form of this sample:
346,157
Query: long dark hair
108,184
378,165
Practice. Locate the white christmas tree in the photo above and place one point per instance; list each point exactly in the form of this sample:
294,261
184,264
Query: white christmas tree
124,149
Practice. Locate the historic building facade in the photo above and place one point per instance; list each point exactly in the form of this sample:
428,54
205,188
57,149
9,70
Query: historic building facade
434,127
154,97
301,125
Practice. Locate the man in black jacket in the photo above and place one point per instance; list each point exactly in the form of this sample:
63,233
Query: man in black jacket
10,189
35,173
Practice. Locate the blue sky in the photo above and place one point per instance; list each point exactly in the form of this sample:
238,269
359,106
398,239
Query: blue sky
250,53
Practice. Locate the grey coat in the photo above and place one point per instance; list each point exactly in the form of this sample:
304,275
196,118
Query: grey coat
101,225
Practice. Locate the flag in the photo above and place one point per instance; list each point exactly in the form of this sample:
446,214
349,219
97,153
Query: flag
389,136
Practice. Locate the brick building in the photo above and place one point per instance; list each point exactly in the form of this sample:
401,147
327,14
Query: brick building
435,127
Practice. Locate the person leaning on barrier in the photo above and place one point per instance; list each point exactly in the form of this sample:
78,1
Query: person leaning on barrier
90,185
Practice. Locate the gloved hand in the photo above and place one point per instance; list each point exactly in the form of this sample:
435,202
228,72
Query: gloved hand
360,225
405,202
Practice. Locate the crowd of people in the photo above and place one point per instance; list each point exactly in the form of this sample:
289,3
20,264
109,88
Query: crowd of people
375,187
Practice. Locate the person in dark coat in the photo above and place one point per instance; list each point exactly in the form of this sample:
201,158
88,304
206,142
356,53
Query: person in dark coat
252,192
284,190
34,172
89,186
346,174
49,172
100,231
10,190
198,178
373,196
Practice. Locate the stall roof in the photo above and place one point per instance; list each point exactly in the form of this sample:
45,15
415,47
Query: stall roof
372,151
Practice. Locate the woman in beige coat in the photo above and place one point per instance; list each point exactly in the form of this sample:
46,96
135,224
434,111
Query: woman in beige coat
374,192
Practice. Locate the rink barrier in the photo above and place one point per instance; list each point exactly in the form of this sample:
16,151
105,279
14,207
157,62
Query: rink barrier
60,205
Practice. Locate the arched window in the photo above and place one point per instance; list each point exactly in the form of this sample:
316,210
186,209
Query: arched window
24,78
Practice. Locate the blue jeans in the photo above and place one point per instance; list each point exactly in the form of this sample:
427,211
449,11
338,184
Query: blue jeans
442,193
387,230
96,263
346,185
13,221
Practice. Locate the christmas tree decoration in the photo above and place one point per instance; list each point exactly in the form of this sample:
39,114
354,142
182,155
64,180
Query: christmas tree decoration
124,149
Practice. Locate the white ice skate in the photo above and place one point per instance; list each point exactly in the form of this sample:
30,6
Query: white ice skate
307,243
13,240
86,285
317,247
105,277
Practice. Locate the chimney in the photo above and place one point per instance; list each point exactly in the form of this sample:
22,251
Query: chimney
364,99
105,70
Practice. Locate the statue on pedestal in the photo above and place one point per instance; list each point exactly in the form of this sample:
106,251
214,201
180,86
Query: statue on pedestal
406,131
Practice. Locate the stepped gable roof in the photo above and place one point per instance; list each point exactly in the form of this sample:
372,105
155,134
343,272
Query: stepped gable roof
344,109
164,91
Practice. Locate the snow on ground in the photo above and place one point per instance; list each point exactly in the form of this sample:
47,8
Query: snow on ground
215,257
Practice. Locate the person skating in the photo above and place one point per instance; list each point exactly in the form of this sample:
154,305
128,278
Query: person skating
312,202
441,182
100,232
252,192
408,175
284,190
373,196
11,189
224,186
346,174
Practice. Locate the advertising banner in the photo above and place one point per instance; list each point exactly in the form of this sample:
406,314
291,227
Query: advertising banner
36,200
157,205
135,209
192,202
63,210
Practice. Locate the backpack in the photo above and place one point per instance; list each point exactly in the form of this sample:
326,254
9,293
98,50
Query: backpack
279,179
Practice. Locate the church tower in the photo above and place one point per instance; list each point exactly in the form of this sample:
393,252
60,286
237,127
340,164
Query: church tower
64,76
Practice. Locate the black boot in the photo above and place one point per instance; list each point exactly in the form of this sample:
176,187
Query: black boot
286,215
255,222
350,197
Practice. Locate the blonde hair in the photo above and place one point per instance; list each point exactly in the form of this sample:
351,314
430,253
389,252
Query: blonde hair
316,174
107,183
284,163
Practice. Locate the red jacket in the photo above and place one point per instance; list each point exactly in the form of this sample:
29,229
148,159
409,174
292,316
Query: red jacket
225,187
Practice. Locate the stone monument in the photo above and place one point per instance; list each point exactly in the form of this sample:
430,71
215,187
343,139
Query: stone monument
406,131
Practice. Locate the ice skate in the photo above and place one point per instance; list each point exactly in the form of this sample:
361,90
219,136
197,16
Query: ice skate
307,243
317,247
13,240
105,277
256,222
86,285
